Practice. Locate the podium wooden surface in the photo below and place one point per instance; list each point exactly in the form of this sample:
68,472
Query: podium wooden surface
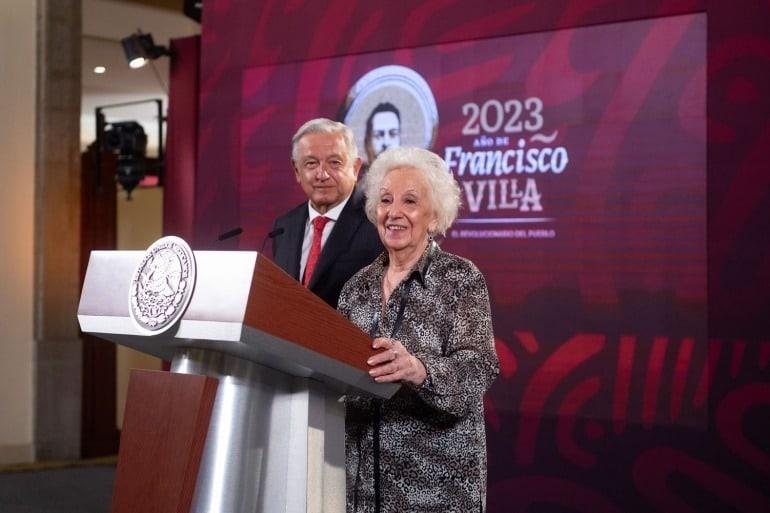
245,306
164,431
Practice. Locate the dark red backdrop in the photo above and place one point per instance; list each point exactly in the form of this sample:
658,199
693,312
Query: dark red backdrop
640,410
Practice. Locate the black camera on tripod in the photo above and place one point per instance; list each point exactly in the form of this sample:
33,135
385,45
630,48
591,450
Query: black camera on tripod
125,137
128,141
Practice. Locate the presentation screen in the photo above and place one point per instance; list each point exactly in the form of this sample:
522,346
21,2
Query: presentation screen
581,157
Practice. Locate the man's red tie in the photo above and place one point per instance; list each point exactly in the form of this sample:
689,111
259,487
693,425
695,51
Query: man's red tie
315,248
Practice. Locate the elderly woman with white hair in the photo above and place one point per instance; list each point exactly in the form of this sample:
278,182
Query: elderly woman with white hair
425,448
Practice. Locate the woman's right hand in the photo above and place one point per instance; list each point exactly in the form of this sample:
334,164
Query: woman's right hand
395,363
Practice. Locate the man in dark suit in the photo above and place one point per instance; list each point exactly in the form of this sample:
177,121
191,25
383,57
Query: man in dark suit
327,239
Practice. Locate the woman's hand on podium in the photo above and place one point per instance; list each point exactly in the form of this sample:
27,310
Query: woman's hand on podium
395,363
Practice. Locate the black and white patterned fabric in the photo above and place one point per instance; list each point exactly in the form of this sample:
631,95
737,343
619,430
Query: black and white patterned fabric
432,443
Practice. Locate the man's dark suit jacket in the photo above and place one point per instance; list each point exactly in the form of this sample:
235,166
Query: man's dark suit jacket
352,245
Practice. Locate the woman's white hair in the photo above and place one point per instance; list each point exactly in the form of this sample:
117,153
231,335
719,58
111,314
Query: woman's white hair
444,191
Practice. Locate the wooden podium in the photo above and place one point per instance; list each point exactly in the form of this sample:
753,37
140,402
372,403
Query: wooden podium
269,436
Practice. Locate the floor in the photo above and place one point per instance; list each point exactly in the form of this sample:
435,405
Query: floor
75,488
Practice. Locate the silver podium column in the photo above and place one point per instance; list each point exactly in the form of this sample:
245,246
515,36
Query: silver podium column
269,447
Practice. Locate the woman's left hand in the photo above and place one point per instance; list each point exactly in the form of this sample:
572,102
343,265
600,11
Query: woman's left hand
395,363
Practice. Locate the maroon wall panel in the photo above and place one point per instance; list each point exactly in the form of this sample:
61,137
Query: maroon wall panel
182,148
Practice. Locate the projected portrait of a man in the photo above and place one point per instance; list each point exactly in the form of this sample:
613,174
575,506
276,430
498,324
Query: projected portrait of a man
383,130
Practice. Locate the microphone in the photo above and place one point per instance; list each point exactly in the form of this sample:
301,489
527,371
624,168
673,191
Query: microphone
229,234
275,233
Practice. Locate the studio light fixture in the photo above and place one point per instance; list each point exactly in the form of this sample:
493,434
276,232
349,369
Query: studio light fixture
140,48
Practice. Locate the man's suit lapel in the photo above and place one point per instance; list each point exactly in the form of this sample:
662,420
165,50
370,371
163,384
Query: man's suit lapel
341,237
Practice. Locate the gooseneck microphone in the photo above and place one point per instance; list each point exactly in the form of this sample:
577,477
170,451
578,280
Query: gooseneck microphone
229,234
237,231
275,233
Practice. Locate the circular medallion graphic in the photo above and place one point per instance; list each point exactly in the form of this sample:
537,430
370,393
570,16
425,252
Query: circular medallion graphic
162,285
391,106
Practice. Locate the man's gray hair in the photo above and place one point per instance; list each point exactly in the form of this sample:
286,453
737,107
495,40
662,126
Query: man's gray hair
444,190
325,126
